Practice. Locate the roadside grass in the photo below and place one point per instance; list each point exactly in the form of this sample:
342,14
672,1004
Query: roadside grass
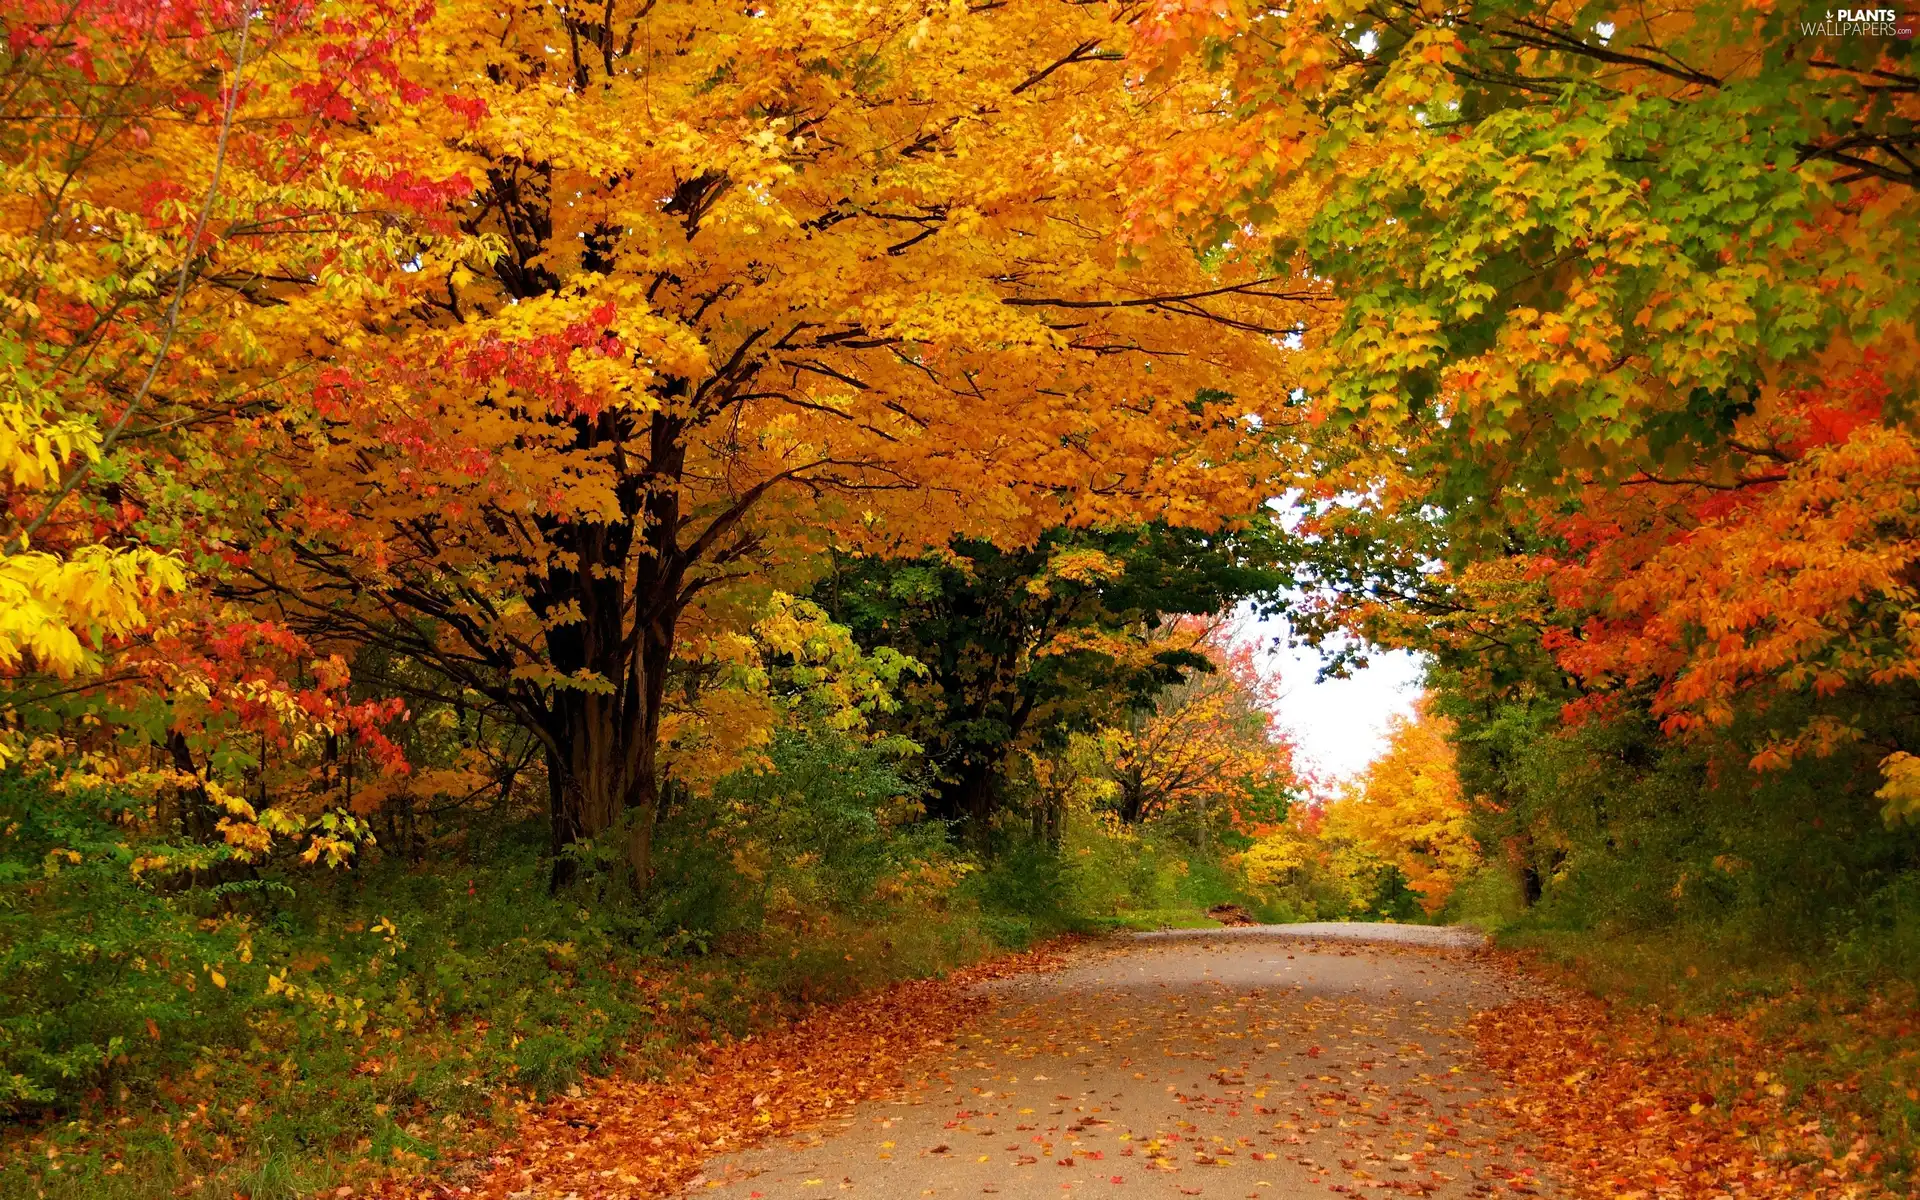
1844,1046
656,1138
384,1019
1148,920
283,1038
400,1017
267,1120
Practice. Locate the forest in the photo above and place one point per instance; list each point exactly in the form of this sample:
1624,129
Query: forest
549,544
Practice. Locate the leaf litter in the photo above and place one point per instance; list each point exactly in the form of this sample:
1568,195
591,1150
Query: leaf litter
1279,1070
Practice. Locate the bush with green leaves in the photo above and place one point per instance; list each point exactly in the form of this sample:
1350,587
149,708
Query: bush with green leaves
1617,828
343,1014
104,976
817,826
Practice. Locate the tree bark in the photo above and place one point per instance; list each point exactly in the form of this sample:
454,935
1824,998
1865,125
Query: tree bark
968,800
196,810
614,611
603,761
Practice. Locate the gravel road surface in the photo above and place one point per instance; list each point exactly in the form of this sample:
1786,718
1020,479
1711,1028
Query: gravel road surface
1269,1062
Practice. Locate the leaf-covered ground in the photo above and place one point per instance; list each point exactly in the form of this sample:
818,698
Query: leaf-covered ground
1635,1104
1214,1063
620,1136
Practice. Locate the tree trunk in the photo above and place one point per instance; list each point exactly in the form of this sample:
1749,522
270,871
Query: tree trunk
978,803
968,802
196,810
1133,796
613,612
603,769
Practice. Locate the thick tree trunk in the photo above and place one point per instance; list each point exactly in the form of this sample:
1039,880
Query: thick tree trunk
603,768
968,801
613,612
603,774
977,803
1530,884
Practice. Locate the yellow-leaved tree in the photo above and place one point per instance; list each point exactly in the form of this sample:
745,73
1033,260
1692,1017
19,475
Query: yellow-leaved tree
1407,810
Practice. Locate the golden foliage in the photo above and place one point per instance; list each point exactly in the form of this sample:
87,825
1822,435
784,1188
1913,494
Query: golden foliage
1407,810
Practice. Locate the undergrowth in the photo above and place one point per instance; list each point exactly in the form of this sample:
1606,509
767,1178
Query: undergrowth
274,1038
273,1035
268,1037
1763,915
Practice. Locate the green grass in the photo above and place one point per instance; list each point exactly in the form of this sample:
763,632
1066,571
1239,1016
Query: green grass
389,1017
273,1129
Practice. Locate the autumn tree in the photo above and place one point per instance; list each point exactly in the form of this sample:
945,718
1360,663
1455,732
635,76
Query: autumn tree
1407,809
1024,647
1624,360
1584,236
188,211
177,208
753,276
1208,748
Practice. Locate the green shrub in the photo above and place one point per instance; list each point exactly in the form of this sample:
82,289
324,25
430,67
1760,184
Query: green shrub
1628,833
1107,872
1491,899
1883,938
1025,879
364,1010
102,978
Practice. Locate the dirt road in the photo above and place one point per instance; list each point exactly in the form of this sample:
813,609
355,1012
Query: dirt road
1265,1062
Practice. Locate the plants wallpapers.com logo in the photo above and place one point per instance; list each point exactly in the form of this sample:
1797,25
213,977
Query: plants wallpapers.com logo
1863,22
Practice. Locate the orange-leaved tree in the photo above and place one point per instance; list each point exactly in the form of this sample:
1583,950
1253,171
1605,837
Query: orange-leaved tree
758,278
1789,586
1210,747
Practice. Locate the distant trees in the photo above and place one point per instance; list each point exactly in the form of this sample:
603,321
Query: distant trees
1079,634
1407,810
1208,748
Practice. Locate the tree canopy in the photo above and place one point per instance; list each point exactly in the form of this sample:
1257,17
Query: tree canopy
812,479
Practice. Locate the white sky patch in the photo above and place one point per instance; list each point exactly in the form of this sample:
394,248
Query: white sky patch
1340,725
